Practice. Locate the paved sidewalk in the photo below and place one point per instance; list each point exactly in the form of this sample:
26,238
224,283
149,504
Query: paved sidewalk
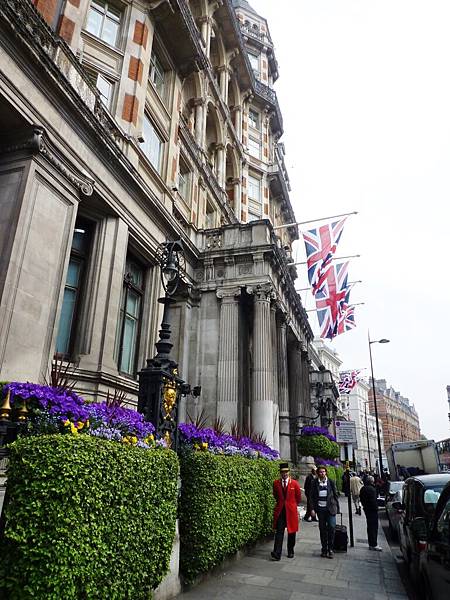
359,574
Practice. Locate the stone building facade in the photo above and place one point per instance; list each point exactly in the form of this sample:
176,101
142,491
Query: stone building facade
397,415
123,124
355,407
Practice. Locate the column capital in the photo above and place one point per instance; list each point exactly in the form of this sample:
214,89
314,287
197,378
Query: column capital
262,292
228,294
197,101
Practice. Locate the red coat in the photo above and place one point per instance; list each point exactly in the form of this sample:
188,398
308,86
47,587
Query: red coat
293,497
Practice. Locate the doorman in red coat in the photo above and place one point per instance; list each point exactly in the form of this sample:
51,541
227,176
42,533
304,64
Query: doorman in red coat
286,492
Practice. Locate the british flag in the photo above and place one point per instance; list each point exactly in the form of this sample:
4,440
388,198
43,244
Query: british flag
346,317
348,380
321,244
331,299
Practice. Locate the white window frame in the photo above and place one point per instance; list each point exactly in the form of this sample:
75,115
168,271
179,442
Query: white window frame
150,136
109,12
254,147
254,123
254,200
157,70
256,67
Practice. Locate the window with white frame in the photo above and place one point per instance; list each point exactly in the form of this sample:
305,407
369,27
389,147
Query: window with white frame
103,21
104,86
254,198
254,62
254,147
210,216
157,75
152,146
184,181
254,119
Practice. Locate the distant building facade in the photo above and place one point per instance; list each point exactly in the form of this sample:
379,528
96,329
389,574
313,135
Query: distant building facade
355,407
124,124
396,413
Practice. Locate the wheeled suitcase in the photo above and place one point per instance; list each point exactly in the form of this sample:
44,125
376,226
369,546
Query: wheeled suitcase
340,538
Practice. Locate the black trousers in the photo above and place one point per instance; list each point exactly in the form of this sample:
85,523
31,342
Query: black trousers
309,507
279,534
372,527
327,526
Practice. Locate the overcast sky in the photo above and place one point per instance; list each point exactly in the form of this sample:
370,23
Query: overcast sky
365,93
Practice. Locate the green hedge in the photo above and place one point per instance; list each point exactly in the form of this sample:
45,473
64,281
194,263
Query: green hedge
335,473
317,445
226,502
87,519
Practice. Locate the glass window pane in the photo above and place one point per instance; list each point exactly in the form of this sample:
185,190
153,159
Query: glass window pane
254,188
105,88
133,303
129,344
80,239
253,119
109,32
254,148
65,322
73,274
254,62
94,22
152,144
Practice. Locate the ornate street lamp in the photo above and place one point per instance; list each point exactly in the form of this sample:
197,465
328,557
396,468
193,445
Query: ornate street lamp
380,458
322,385
160,388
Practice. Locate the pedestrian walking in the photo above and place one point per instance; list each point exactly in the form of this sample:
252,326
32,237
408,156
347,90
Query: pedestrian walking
287,494
310,514
368,497
346,482
355,487
325,500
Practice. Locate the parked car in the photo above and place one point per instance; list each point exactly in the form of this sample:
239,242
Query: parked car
394,494
420,497
435,560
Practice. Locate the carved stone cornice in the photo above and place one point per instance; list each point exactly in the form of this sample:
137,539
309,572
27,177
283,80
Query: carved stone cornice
35,140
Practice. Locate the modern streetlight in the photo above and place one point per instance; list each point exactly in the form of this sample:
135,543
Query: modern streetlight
380,458
367,434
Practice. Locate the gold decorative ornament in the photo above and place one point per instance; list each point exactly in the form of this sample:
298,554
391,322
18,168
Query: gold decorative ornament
5,409
168,439
169,399
22,413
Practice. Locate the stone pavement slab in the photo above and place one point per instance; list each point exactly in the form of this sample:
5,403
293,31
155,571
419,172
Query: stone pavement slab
359,574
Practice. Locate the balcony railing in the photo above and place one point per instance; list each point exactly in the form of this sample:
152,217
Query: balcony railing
254,33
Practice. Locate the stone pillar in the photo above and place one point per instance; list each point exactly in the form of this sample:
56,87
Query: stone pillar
237,191
223,75
262,397
228,363
198,104
220,150
237,121
275,359
283,387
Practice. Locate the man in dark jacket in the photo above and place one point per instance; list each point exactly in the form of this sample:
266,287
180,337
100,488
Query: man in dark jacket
368,498
310,514
325,501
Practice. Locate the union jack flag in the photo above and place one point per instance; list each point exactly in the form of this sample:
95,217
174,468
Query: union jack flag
330,299
346,318
348,380
321,244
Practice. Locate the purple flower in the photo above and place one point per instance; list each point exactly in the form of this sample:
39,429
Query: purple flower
313,430
125,420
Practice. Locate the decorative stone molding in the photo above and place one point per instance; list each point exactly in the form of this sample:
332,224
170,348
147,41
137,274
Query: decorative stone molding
35,140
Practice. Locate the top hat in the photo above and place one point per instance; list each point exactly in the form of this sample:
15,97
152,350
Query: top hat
284,466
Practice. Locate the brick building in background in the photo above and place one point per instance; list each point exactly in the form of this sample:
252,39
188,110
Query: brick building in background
396,414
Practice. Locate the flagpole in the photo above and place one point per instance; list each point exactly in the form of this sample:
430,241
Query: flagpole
308,288
314,220
335,258
350,306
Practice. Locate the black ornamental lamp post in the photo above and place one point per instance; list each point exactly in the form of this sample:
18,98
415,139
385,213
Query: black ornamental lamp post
160,387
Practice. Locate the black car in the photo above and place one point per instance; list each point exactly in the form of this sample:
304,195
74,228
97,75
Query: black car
420,497
435,560
394,494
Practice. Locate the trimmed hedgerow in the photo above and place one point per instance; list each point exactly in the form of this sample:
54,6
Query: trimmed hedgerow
87,519
226,502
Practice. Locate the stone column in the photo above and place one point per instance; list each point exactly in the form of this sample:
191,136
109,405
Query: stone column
228,363
262,397
220,150
198,104
223,75
237,121
283,387
275,359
